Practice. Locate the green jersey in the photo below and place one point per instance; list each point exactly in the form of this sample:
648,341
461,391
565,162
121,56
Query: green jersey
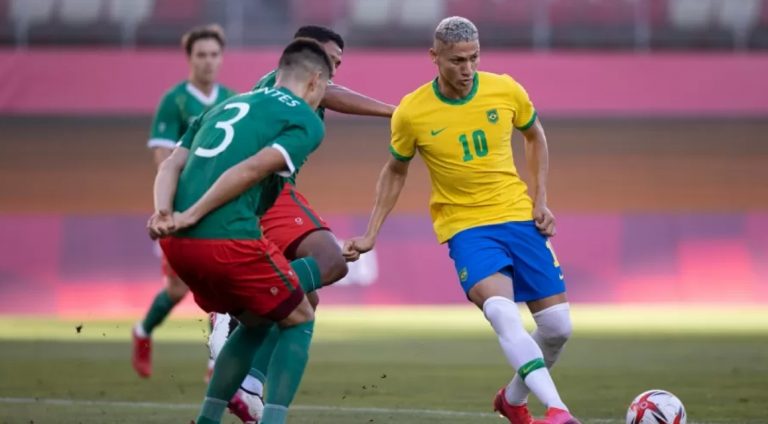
231,132
178,109
269,80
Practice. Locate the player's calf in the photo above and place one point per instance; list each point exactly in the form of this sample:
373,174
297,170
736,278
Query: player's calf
553,329
176,288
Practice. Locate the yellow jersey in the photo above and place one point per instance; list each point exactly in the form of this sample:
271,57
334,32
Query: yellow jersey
466,145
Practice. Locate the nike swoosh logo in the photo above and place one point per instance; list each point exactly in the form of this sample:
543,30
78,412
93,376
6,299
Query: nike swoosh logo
562,277
434,133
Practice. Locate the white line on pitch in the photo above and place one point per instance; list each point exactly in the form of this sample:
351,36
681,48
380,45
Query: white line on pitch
308,408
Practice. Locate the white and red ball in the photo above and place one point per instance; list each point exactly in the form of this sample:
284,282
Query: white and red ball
656,407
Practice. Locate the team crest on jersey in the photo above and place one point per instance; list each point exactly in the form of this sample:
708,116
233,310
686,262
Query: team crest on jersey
492,115
463,275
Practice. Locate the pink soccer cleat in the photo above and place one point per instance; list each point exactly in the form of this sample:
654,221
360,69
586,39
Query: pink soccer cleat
246,406
557,416
515,414
142,354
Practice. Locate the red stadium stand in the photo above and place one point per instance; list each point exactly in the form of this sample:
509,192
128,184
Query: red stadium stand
328,12
506,22
68,22
170,19
609,22
6,25
168,11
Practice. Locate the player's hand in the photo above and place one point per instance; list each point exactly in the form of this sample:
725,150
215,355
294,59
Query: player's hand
183,220
545,220
160,224
354,247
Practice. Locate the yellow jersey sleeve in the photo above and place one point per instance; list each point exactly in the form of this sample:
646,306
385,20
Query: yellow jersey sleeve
403,144
525,113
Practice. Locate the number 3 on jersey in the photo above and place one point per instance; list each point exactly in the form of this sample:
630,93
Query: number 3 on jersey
480,142
229,131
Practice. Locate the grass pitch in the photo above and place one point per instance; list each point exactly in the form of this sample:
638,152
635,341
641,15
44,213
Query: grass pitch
396,365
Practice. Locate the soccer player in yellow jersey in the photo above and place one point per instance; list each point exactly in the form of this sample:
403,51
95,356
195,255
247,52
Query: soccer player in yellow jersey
498,235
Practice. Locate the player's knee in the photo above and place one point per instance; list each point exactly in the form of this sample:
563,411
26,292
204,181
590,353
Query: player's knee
333,268
313,299
303,313
556,333
558,336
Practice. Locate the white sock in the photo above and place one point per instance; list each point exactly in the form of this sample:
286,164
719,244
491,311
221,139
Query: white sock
139,329
520,349
253,386
219,334
553,328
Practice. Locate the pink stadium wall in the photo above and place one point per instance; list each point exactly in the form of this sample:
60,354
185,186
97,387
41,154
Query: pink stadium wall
56,261
105,265
108,82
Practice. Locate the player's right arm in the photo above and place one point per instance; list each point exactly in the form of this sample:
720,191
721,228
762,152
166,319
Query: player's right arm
166,129
161,223
234,182
389,186
343,100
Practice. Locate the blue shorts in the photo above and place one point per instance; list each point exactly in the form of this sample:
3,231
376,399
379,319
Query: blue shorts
515,249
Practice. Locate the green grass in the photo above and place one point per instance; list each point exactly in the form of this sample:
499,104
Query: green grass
399,360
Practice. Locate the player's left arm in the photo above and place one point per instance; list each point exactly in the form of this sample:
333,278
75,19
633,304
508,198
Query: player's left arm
232,183
343,100
282,157
526,120
537,158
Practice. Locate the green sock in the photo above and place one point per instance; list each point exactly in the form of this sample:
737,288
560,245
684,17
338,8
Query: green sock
308,272
160,309
212,411
274,414
231,367
260,364
289,361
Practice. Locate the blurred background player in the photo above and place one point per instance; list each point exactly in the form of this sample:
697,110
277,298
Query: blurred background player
497,236
223,177
293,225
178,108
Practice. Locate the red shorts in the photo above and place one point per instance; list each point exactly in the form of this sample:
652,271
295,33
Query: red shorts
232,276
166,267
289,220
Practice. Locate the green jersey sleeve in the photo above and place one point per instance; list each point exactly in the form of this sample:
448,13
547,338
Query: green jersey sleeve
300,138
167,124
186,139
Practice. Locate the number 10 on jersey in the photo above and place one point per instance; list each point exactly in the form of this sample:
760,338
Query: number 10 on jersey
480,143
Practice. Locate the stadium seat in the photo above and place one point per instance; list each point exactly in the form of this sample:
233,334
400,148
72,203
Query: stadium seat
739,15
759,37
168,20
328,12
690,14
80,12
187,11
129,13
593,23
26,12
422,13
371,12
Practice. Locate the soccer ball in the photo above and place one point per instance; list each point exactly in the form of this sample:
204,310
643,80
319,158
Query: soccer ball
656,407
